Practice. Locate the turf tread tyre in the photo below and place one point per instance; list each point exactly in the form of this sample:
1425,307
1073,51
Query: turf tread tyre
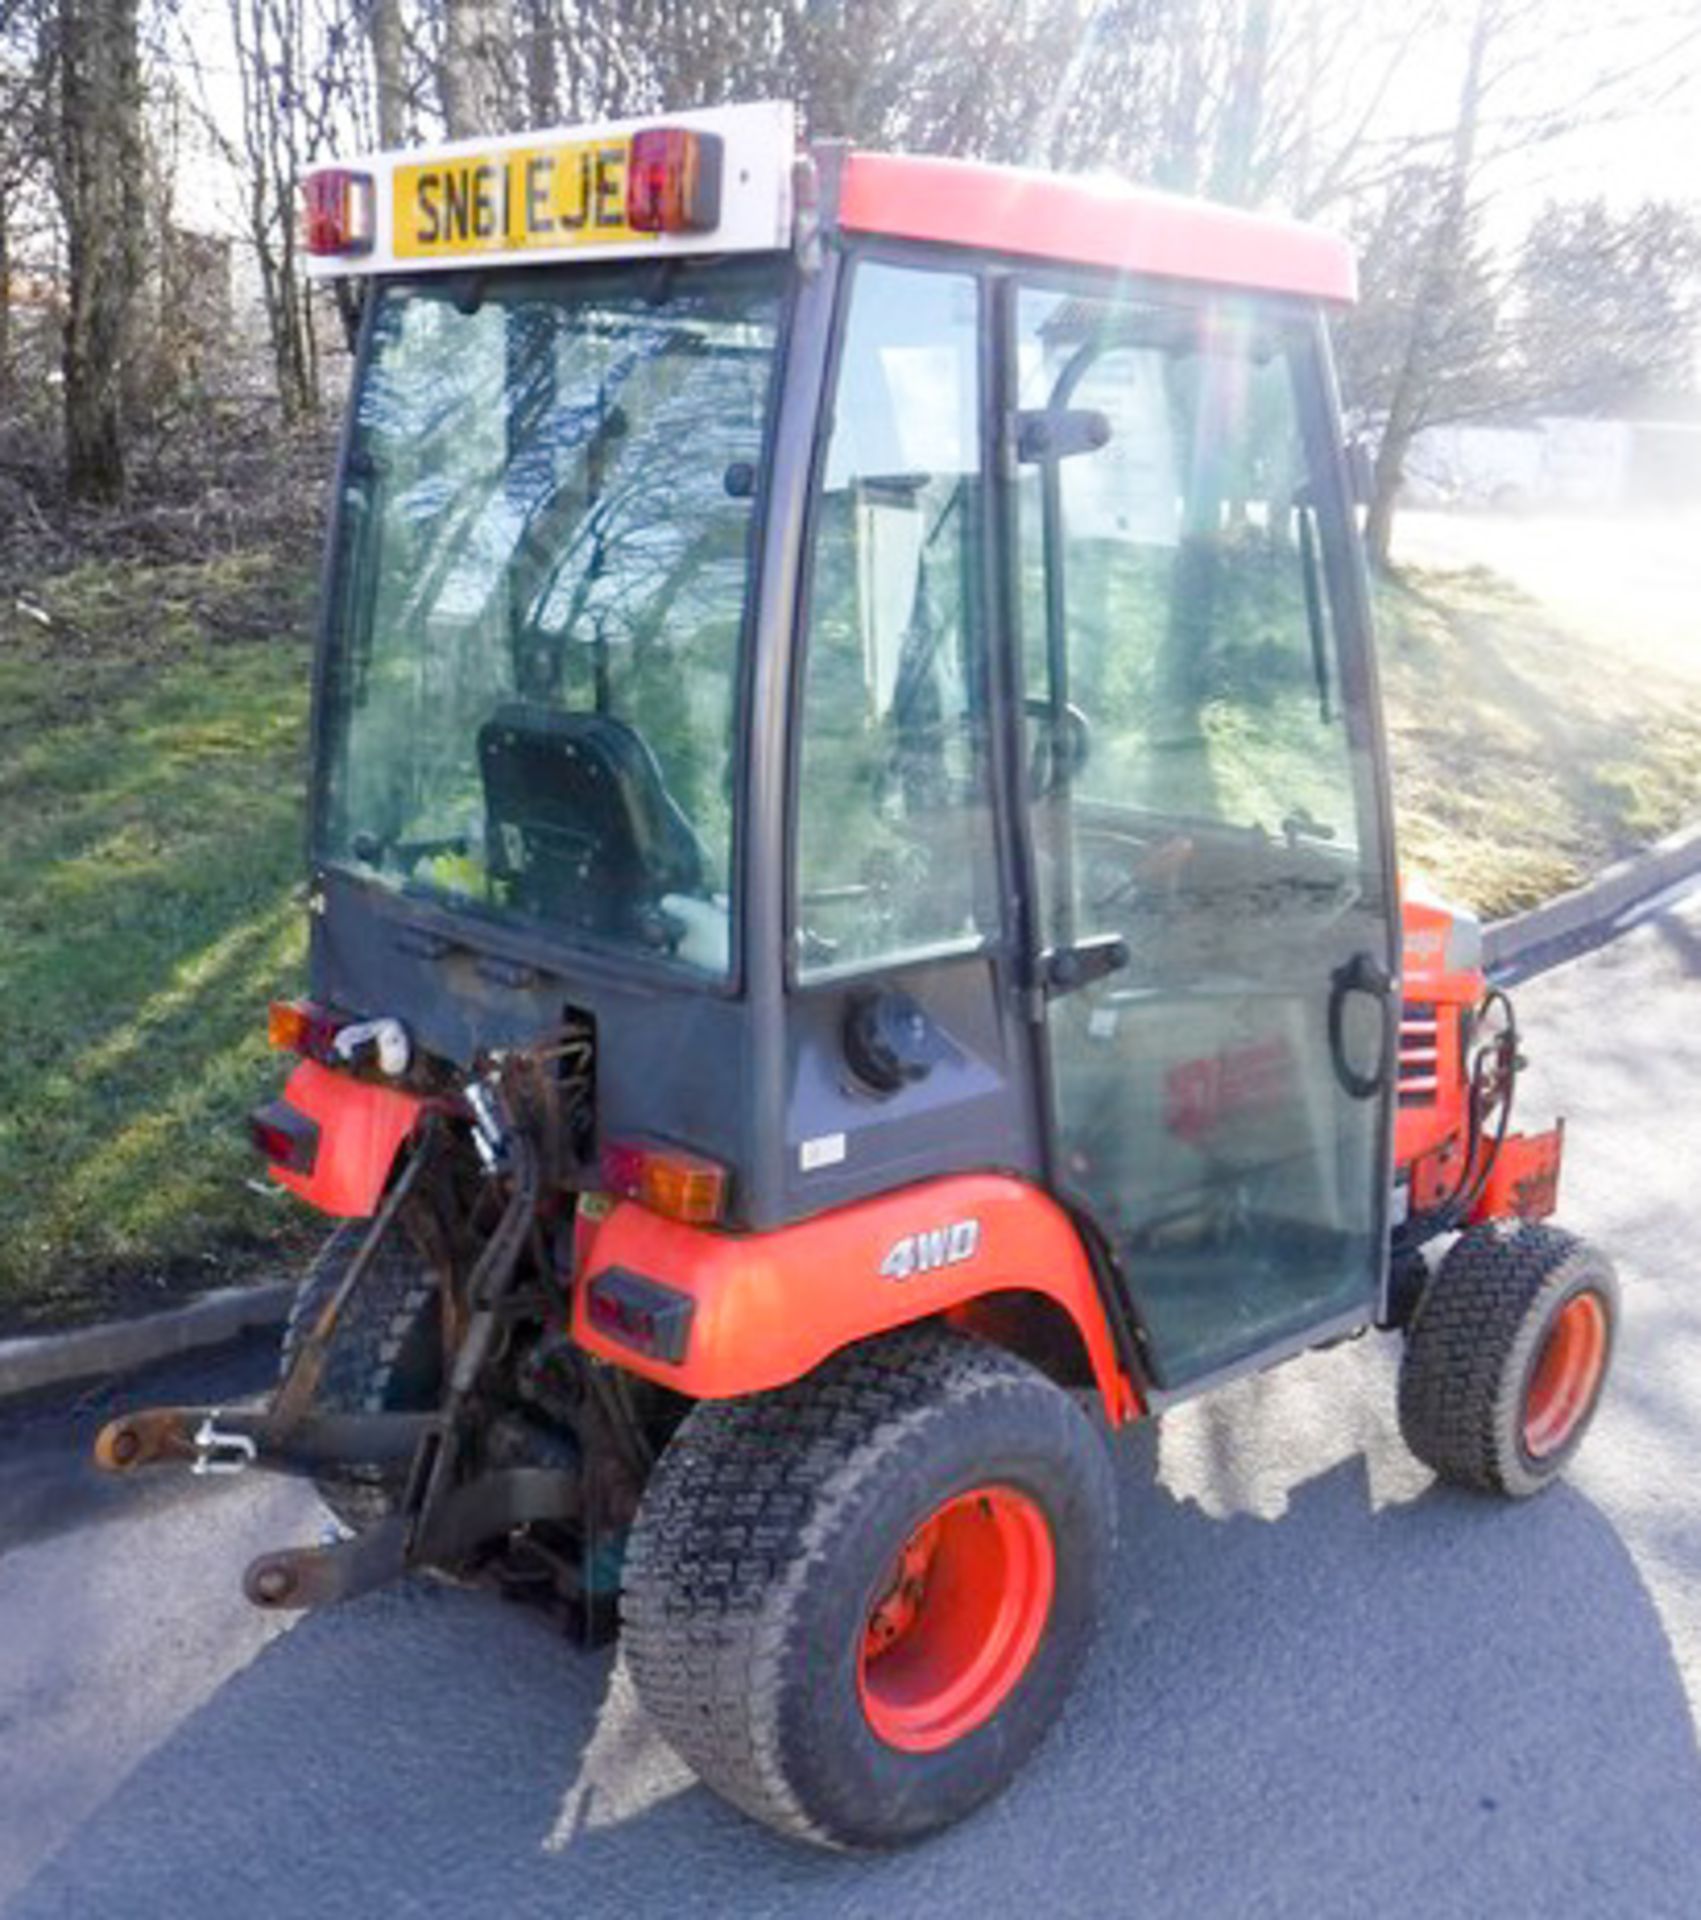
385,1355
742,1573
1473,1343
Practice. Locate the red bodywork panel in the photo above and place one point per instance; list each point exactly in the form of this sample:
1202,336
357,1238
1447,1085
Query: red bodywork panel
1091,223
769,1307
1432,1124
1439,996
361,1130
1523,1183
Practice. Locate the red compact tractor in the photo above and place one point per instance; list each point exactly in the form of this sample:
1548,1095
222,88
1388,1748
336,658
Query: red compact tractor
855,935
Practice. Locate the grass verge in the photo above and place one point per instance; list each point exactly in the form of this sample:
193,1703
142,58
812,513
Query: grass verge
1529,750
151,772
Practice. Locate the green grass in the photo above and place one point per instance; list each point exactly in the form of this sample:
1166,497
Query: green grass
1529,748
150,845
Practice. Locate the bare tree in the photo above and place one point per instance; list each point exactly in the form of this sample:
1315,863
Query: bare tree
542,78
1607,306
21,150
476,75
387,37
303,92
98,178
1442,286
1433,338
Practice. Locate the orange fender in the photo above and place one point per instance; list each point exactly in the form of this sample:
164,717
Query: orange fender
767,1308
361,1130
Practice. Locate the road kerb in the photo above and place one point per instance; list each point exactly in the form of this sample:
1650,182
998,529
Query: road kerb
1593,906
121,1346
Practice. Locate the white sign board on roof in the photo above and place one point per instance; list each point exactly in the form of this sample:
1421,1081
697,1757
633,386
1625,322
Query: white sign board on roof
521,199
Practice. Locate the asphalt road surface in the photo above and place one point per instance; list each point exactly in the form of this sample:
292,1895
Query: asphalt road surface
1324,1686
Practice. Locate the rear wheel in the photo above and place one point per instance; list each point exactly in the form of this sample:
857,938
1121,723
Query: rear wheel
855,1605
1506,1356
385,1356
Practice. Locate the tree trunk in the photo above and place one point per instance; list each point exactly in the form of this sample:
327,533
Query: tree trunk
99,179
1177,164
389,70
543,92
473,74
1405,406
1386,476
1243,112
5,295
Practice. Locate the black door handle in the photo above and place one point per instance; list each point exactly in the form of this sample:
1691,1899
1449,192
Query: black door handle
1071,968
1363,973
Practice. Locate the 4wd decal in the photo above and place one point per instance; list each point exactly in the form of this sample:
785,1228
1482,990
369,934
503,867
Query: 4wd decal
927,1251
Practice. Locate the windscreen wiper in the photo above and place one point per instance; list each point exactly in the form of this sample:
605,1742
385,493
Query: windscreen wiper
1308,559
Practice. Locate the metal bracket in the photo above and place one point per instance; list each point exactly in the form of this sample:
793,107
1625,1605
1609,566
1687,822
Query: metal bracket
472,1516
219,1451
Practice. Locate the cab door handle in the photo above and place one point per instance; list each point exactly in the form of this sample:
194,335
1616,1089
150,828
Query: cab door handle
1363,973
1071,968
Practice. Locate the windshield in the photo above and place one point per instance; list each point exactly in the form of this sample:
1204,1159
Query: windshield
544,557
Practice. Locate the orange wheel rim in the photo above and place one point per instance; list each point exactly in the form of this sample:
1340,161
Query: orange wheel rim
1567,1375
956,1619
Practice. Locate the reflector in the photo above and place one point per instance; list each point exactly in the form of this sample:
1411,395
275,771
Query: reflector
641,1313
684,1186
338,211
286,1138
673,181
300,1026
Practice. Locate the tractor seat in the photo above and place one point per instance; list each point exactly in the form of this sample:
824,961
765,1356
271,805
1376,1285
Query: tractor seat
580,826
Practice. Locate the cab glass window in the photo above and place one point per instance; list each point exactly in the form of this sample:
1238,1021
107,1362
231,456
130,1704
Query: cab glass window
544,556
894,839
1180,659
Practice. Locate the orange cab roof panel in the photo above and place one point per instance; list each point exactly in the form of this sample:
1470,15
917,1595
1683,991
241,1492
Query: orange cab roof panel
1095,223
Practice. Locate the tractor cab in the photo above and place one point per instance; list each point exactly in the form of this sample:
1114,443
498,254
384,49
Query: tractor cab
879,648
852,902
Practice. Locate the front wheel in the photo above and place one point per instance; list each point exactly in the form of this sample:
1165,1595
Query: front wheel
1506,1356
855,1605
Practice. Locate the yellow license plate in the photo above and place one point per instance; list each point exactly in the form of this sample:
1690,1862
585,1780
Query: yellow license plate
528,199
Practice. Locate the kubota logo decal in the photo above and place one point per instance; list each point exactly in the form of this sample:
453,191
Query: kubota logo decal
1199,1095
927,1252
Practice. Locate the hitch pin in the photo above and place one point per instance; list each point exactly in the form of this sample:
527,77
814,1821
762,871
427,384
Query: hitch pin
488,1136
220,1452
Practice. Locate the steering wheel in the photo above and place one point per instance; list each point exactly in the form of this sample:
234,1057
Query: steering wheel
1117,869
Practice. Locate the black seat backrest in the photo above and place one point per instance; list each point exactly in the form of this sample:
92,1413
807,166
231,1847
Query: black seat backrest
579,822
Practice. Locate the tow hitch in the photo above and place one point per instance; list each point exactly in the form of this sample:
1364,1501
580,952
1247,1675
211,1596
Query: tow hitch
456,1505
212,1440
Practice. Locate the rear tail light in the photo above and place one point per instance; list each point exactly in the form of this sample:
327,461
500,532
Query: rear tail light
300,1026
287,1138
338,212
684,1186
673,181
640,1314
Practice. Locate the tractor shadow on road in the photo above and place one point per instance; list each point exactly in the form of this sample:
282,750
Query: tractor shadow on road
1676,932
1354,1706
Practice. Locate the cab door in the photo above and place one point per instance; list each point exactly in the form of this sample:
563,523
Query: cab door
1205,818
